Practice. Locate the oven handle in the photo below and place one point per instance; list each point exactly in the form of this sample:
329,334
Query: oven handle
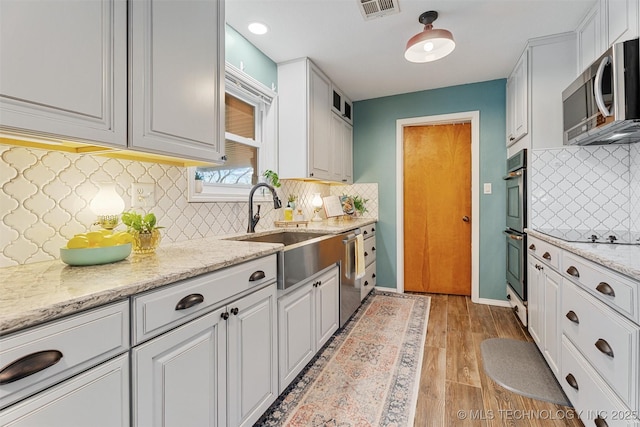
512,175
513,236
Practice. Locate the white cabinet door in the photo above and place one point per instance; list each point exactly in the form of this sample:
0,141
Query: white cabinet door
296,338
177,78
591,37
252,373
319,125
98,397
327,306
518,101
63,70
622,20
341,150
179,378
347,154
551,312
534,294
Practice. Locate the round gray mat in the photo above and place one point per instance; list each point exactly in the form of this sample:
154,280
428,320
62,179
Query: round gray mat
519,367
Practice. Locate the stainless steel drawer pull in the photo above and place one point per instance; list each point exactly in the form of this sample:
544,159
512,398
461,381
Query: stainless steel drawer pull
257,275
547,256
573,271
600,422
29,365
189,301
571,315
605,288
532,247
604,347
571,380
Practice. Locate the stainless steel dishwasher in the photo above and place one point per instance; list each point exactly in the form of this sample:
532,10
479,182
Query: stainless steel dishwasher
349,285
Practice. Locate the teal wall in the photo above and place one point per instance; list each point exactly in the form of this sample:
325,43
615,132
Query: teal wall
256,64
374,153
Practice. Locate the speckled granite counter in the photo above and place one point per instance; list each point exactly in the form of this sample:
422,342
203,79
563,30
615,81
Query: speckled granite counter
34,293
624,259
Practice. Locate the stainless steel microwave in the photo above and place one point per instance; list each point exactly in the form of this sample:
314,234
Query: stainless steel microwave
602,106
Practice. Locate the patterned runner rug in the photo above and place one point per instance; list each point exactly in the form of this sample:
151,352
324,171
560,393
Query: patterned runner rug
368,374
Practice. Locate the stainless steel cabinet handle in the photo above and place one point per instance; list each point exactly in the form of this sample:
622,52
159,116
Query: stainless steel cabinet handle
604,347
234,311
600,422
573,271
532,247
29,365
257,275
465,218
189,301
572,381
571,315
547,256
605,288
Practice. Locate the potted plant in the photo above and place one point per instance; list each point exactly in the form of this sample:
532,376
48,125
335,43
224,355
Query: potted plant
198,181
291,201
145,232
272,178
359,204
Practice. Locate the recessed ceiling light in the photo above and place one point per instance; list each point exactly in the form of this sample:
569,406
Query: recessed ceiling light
258,28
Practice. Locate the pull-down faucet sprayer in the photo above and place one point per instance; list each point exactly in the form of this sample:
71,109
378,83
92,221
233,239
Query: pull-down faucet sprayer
253,219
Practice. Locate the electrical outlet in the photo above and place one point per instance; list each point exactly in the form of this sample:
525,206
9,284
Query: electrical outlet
143,194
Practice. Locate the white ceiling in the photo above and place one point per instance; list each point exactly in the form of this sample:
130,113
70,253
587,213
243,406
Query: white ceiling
365,58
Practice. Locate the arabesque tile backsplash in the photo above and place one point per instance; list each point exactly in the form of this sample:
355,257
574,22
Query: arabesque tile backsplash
46,194
587,188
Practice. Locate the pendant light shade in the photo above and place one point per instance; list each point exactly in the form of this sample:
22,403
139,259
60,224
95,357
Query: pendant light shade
429,45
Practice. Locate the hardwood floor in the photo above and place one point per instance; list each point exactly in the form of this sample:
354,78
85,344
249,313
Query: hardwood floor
454,390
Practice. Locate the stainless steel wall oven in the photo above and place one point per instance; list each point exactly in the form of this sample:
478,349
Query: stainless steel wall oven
516,271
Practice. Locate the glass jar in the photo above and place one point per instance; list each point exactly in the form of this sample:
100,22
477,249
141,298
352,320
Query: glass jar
146,243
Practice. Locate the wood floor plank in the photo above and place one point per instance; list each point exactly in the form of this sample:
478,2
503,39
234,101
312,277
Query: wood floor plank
466,407
481,319
431,402
457,304
462,366
507,325
437,333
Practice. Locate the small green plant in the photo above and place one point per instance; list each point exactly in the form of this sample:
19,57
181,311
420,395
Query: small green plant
272,178
292,198
359,204
139,223
199,175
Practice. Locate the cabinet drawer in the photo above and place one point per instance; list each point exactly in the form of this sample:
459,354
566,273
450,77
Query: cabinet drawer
369,231
546,252
589,394
369,250
368,282
160,310
607,286
77,342
595,330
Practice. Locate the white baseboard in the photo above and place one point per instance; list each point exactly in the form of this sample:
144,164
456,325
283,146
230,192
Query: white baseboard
383,289
496,302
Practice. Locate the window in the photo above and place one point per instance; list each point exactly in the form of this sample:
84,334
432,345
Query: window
250,124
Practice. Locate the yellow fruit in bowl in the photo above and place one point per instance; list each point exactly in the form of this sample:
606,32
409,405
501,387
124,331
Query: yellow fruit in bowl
78,242
123,237
108,241
94,237
105,232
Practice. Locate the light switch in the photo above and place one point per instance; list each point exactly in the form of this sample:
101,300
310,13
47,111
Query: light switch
487,188
143,194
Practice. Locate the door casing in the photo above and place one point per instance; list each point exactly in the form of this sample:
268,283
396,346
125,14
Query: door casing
463,117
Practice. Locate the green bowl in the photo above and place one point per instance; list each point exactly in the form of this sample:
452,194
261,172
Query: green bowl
95,256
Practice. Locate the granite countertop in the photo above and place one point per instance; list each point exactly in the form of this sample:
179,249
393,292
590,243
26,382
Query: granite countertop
624,259
34,293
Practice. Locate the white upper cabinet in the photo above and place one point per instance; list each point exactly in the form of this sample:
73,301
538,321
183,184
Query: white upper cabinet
63,70
622,19
517,99
177,78
591,40
314,141
341,105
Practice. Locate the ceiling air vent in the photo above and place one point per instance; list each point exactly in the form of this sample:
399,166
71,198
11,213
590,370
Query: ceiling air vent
372,9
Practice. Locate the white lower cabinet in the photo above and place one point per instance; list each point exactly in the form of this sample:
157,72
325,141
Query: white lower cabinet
217,370
98,397
307,318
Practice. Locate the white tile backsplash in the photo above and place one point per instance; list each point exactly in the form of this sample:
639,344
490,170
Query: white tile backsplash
587,188
45,195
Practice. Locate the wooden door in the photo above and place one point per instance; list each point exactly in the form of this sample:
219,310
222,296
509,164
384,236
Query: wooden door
437,208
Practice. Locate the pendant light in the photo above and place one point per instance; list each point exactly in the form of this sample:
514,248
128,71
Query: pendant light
429,45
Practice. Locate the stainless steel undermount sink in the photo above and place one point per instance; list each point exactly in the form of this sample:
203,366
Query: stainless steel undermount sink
304,253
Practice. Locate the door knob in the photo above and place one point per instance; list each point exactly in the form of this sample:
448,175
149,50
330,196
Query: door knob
465,218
